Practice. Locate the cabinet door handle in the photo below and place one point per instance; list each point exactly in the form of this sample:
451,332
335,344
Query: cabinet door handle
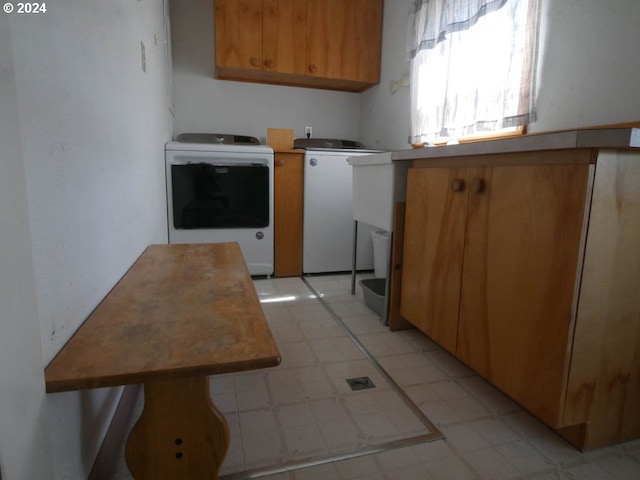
278,162
477,185
255,62
313,68
457,185
269,63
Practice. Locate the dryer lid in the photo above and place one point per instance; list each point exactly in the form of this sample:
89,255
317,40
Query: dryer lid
217,138
324,143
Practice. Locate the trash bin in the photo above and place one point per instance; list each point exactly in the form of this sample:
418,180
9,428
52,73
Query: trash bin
380,239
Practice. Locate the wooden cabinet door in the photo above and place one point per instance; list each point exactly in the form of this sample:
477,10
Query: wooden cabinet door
523,237
238,25
344,38
330,44
433,251
285,36
261,35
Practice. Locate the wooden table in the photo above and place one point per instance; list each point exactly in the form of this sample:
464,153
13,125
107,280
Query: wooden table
180,314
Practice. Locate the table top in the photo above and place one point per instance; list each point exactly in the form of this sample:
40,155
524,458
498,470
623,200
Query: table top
180,310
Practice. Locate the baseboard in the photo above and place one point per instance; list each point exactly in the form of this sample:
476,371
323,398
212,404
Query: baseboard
111,446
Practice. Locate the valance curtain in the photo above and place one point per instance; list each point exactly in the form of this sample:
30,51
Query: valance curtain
472,66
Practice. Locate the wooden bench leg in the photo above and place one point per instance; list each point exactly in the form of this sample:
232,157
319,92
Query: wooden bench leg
180,434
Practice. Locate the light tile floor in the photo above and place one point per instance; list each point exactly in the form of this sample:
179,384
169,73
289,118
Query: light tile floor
303,410
487,436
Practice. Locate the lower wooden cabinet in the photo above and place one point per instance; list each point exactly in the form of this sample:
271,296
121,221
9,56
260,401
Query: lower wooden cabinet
344,40
435,220
522,242
493,271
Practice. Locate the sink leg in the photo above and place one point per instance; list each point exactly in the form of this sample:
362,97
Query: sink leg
354,258
180,434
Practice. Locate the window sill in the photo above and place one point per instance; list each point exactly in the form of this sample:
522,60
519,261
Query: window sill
506,133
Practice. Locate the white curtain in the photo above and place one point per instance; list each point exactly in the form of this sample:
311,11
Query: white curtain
472,66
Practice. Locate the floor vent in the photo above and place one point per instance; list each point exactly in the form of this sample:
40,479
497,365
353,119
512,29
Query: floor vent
360,383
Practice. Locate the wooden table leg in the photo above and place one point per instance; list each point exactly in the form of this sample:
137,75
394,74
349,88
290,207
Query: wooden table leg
180,434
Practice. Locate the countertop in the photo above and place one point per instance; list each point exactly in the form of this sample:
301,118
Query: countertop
379,180
614,138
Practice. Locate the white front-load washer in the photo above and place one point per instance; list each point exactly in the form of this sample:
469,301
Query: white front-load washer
222,192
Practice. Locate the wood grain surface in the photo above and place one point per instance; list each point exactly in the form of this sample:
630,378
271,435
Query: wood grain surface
180,310
550,291
288,213
523,236
180,433
239,34
329,44
285,36
433,252
396,321
604,381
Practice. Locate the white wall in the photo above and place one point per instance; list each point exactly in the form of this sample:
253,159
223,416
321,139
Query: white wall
24,441
204,104
588,71
93,125
590,65
384,116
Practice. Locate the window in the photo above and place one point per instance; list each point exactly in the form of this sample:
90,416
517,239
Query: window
472,67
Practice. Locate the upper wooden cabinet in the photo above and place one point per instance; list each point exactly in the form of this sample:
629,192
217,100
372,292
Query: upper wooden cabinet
239,34
435,220
331,44
343,40
261,35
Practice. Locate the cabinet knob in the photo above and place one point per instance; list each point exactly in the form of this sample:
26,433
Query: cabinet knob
313,68
255,62
477,185
457,185
269,63
278,162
